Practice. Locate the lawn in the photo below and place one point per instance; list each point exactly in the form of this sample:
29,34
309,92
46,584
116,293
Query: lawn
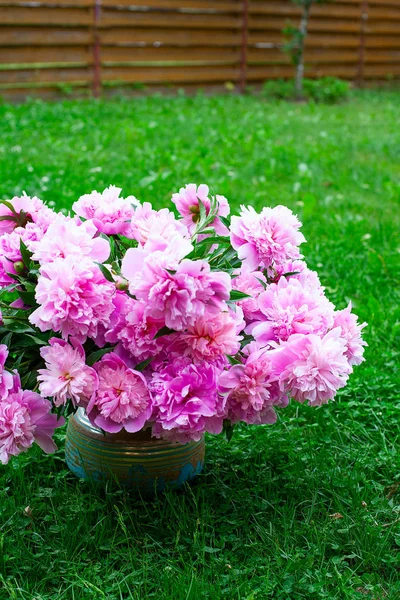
308,508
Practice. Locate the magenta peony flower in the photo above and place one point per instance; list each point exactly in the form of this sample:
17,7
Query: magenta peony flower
312,368
293,269
252,283
186,400
292,306
10,244
122,399
66,375
351,333
25,418
108,212
74,298
148,224
211,336
155,254
268,238
6,378
187,202
178,293
68,237
26,209
252,390
134,328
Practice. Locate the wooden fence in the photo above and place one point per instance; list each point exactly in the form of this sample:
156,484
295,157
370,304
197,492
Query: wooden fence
89,46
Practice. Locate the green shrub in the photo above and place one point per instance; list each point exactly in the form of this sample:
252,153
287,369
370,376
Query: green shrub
327,90
279,88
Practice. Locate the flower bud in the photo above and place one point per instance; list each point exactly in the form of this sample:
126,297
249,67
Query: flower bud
121,283
19,267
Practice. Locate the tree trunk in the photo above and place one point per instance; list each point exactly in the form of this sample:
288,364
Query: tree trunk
300,63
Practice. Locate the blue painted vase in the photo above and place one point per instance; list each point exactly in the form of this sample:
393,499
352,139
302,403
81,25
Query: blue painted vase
134,460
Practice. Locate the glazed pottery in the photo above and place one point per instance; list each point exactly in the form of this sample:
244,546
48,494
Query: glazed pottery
134,460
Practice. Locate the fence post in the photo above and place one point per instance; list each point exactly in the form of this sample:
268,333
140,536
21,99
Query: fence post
96,84
361,49
243,57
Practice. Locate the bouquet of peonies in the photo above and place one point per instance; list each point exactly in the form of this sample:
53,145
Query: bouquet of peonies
183,325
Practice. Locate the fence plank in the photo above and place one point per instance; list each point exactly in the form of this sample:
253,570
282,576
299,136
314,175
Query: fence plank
25,15
35,3
169,74
30,37
115,18
23,76
174,37
45,54
165,54
202,5
326,25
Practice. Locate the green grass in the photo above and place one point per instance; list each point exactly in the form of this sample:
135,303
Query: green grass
261,523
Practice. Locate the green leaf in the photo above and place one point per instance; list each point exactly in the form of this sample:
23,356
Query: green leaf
95,356
203,213
28,298
106,273
38,341
7,218
233,360
15,277
225,221
216,239
142,365
7,338
291,273
163,331
211,550
262,283
235,296
9,206
25,253
228,430
8,288
16,326
126,242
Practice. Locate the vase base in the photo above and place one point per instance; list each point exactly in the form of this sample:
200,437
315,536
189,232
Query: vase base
133,461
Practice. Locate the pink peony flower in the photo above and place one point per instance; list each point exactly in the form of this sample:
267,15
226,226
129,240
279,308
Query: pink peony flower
211,336
293,269
312,368
135,328
66,375
292,306
252,390
122,399
24,419
178,293
351,332
26,210
10,244
251,283
149,224
268,238
67,237
155,254
74,298
108,212
187,202
186,401
6,378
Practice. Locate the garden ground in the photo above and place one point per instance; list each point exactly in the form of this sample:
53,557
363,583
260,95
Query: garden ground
306,509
